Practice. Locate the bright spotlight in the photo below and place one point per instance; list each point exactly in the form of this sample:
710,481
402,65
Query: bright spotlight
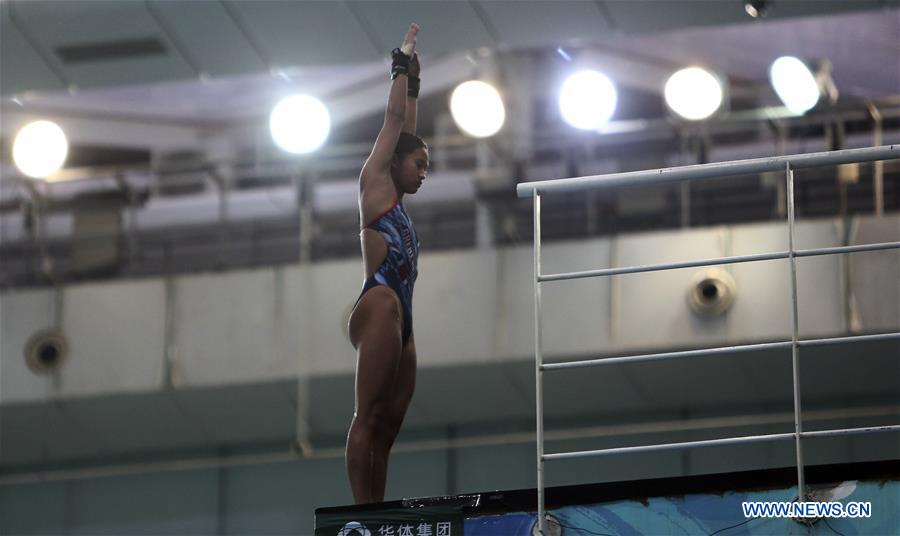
40,149
477,109
587,100
299,124
693,93
795,84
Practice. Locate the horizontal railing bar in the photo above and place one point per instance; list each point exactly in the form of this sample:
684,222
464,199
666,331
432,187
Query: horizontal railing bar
717,261
668,266
669,446
705,171
846,249
852,338
718,442
667,355
717,351
851,431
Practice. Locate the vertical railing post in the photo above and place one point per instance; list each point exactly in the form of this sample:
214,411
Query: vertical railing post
538,365
795,357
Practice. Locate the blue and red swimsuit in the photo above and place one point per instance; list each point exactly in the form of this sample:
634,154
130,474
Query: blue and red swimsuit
398,270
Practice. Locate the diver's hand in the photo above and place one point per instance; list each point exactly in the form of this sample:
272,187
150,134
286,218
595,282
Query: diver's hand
409,40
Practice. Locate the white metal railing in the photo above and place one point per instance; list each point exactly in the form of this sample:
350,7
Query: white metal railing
702,171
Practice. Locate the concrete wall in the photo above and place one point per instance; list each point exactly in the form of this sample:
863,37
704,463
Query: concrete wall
471,306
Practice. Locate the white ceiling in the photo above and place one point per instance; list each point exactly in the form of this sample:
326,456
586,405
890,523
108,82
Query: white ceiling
227,62
864,48
227,38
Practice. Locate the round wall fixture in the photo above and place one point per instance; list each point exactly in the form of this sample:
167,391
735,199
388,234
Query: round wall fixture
46,350
711,292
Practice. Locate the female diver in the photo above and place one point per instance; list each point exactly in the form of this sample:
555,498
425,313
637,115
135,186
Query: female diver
380,325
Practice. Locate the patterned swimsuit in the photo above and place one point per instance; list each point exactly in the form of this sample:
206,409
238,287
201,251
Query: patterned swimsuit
398,270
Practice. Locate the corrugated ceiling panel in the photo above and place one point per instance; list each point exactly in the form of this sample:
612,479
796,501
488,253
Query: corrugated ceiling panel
211,37
64,24
445,26
21,67
305,33
546,23
659,15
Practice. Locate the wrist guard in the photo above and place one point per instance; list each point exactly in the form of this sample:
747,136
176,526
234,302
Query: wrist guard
412,88
400,63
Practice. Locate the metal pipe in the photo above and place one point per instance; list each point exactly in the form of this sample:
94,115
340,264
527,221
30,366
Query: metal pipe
854,338
853,431
220,182
717,442
706,171
538,364
705,352
170,324
306,215
668,266
795,329
304,182
878,166
668,446
847,249
720,260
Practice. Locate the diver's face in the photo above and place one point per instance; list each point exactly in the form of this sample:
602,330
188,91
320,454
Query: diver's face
410,172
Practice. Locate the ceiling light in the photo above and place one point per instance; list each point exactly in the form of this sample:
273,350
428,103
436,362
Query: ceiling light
477,109
795,84
693,93
299,124
587,100
40,149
